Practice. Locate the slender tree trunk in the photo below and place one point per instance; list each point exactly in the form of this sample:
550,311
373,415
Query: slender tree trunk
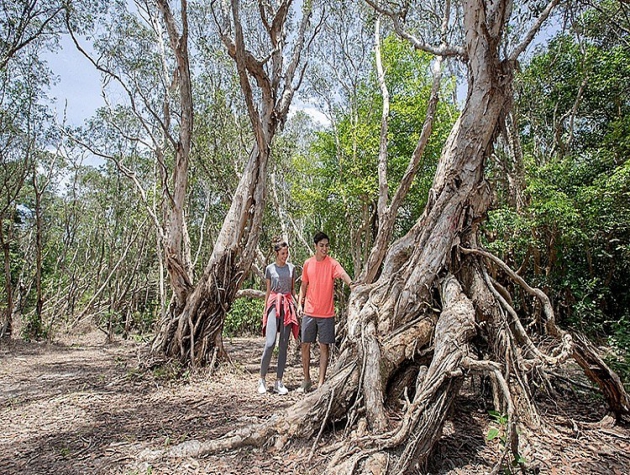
36,325
177,255
7,319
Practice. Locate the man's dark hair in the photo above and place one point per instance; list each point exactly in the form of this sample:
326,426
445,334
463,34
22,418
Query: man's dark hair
319,236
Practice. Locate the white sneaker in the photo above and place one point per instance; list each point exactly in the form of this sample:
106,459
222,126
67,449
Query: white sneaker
262,387
279,388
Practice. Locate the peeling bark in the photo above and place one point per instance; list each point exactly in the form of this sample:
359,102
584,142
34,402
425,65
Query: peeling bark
191,331
434,294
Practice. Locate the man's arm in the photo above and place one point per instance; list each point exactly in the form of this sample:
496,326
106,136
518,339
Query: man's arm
346,278
301,297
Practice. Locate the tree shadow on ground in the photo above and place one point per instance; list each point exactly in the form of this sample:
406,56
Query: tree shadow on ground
463,446
88,408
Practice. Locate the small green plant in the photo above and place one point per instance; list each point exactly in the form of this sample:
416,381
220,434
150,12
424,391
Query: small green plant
501,433
498,432
120,361
244,318
169,371
141,338
134,374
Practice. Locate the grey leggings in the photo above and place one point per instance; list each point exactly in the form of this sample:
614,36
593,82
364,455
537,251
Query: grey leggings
275,326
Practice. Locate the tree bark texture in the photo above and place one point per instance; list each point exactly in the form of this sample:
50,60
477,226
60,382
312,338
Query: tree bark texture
191,332
434,294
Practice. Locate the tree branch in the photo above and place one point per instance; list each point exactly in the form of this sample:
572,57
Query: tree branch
531,34
443,50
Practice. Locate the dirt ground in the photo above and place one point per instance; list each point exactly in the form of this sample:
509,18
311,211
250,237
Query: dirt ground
82,406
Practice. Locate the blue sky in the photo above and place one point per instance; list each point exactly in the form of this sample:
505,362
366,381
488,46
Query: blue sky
78,83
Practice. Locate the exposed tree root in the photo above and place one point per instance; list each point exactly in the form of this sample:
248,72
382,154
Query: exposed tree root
355,392
192,334
608,381
575,345
437,390
424,416
303,419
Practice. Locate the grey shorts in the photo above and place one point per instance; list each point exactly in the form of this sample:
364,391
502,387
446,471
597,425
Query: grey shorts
312,326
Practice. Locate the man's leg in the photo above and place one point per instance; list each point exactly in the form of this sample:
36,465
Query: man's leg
309,335
323,363
326,332
306,365
306,361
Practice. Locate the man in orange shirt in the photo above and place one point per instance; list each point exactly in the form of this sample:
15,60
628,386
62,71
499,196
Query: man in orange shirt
316,304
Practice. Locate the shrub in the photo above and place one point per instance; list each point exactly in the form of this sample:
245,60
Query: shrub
244,318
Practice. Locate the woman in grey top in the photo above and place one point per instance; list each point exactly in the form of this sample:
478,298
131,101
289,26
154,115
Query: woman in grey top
280,316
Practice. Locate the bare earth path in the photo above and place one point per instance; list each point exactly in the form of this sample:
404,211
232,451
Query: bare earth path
82,406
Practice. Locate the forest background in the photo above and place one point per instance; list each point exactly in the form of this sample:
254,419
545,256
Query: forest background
83,208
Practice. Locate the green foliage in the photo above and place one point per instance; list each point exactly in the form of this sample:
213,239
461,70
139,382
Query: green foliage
575,231
500,433
572,236
336,182
244,318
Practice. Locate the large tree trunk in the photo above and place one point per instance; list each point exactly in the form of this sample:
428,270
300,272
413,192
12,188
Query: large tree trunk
192,332
409,333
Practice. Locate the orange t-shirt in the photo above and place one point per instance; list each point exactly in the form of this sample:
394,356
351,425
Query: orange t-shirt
320,277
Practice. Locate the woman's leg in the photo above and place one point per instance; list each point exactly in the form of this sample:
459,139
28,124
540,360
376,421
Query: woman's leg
270,334
283,348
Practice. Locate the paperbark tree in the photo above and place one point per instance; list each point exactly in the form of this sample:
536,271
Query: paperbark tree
409,332
192,330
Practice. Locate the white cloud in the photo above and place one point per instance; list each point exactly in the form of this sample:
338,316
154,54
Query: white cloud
317,115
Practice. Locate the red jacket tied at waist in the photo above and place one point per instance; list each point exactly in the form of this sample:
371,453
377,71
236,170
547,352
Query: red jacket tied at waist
284,306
